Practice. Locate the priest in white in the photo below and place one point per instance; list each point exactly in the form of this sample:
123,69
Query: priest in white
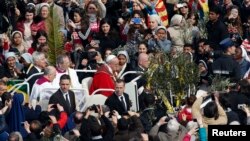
62,67
44,82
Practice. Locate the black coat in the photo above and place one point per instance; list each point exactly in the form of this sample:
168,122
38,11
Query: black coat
235,99
114,103
216,31
227,67
111,41
141,81
58,98
32,81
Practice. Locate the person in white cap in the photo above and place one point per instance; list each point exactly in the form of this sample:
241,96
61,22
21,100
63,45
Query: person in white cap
27,61
105,76
10,68
124,61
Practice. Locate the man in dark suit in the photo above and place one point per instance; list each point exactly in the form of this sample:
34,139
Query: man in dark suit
40,62
142,66
119,100
64,96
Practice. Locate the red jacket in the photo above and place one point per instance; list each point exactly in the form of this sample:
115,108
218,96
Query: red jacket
33,27
187,113
62,120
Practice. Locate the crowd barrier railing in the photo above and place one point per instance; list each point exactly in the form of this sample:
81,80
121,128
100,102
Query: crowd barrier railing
90,97
131,72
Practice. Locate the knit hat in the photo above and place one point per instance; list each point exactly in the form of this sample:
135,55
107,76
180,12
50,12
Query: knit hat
9,54
161,27
27,57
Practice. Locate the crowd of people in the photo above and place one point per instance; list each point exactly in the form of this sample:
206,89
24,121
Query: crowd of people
110,38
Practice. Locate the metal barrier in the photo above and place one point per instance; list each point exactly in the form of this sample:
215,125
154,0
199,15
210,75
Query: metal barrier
17,86
137,78
92,71
92,95
80,100
131,72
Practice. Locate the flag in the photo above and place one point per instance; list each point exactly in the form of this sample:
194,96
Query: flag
160,8
22,90
204,5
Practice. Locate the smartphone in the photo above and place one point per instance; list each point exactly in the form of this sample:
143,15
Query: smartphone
22,123
136,20
241,106
69,20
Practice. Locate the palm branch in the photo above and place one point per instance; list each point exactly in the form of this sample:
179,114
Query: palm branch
55,39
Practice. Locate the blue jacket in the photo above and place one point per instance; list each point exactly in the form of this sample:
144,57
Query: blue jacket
202,134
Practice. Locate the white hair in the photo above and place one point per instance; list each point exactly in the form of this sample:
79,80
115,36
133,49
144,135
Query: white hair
37,56
173,125
191,124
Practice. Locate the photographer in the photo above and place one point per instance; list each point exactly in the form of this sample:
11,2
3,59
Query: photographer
152,111
237,97
129,126
52,131
161,40
89,60
95,128
212,113
3,125
73,135
168,128
234,25
57,111
34,130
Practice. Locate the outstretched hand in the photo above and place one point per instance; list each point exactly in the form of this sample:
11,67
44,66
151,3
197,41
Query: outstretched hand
162,121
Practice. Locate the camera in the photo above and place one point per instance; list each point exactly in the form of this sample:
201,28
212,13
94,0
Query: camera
94,108
241,106
54,106
111,113
168,119
71,132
